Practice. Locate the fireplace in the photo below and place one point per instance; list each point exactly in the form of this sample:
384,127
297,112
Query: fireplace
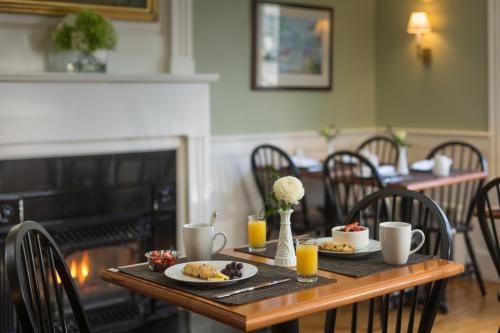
104,211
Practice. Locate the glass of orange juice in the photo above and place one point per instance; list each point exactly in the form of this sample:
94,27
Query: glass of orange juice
256,233
307,260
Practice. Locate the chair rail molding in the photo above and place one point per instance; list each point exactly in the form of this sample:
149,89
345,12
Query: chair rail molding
181,37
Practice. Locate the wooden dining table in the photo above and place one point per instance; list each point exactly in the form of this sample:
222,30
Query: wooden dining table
281,313
416,180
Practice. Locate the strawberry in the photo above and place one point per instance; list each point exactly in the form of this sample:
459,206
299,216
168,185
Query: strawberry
166,255
155,254
351,227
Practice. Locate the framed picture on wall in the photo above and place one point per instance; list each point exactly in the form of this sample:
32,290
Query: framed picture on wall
291,46
135,10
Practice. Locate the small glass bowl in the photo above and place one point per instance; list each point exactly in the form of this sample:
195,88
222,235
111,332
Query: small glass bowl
160,260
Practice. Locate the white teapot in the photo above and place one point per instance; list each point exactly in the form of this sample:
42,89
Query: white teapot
442,165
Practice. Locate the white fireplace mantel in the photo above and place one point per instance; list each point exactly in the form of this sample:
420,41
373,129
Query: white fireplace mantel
58,114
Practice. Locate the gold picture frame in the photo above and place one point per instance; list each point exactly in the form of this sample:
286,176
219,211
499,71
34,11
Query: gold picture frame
149,12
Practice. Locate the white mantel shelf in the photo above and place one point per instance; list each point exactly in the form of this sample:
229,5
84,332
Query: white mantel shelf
108,77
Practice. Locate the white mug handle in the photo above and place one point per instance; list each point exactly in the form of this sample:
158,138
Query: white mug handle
421,243
223,243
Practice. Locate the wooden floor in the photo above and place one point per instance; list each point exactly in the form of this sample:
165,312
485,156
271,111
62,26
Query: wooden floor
468,312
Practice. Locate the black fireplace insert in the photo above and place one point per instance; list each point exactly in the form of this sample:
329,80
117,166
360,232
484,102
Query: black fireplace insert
103,211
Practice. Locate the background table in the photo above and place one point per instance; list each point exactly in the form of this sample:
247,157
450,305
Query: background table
416,181
282,312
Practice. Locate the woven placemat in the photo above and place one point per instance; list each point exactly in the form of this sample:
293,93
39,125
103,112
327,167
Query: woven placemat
357,267
266,273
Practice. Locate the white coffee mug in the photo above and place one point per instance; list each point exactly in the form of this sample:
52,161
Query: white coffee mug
395,240
199,241
442,165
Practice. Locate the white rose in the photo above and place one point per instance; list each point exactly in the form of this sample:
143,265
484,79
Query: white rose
288,189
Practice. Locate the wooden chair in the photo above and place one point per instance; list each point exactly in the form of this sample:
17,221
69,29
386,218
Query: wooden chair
458,200
40,282
422,212
269,163
382,146
349,177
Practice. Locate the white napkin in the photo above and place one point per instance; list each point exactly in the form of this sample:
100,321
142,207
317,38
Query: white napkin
365,170
370,157
387,170
349,159
423,165
305,162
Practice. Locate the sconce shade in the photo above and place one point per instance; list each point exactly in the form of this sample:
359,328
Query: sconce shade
418,23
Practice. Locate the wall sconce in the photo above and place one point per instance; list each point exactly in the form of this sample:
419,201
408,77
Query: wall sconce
418,25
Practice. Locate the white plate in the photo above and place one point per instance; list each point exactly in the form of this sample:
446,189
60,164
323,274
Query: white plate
372,248
175,273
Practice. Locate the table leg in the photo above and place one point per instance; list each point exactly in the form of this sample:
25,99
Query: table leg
291,326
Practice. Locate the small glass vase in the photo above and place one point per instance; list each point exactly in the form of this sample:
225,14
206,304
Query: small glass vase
89,62
285,254
402,167
330,147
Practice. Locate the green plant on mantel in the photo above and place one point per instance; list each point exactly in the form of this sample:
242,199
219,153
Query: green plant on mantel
86,31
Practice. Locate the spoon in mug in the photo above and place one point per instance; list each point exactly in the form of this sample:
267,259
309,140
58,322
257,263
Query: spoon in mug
212,219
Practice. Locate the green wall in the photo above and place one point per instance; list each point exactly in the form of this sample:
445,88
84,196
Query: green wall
452,92
222,32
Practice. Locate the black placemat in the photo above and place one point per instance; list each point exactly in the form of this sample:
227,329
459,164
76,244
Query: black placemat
357,267
266,273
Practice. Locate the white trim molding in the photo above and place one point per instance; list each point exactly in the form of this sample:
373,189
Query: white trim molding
181,37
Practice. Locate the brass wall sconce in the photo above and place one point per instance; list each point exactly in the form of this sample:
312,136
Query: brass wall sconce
418,25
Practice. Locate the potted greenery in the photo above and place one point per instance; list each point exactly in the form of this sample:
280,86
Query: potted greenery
90,35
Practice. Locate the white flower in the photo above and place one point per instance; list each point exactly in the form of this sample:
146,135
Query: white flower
289,190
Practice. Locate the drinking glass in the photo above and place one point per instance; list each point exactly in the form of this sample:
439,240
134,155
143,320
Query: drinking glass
256,233
307,260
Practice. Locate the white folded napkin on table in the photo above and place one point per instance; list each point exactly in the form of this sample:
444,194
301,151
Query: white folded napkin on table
387,170
365,170
423,165
305,162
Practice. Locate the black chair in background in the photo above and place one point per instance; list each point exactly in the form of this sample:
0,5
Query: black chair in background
458,200
269,163
41,283
488,210
349,177
384,147
423,213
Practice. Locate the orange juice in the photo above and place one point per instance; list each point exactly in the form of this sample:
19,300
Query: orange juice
307,259
256,233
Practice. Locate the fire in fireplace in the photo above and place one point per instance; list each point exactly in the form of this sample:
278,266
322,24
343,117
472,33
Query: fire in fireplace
102,211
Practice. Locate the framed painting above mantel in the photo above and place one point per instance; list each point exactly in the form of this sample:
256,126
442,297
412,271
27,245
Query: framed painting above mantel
292,46
134,10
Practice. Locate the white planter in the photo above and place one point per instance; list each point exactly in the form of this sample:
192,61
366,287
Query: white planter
402,167
285,255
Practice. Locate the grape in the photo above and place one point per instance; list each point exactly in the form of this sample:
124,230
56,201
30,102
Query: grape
239,265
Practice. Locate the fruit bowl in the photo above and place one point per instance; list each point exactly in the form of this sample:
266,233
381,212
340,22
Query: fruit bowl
351,234
159,260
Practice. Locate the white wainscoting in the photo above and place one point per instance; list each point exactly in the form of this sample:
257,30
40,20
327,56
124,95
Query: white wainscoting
235,195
